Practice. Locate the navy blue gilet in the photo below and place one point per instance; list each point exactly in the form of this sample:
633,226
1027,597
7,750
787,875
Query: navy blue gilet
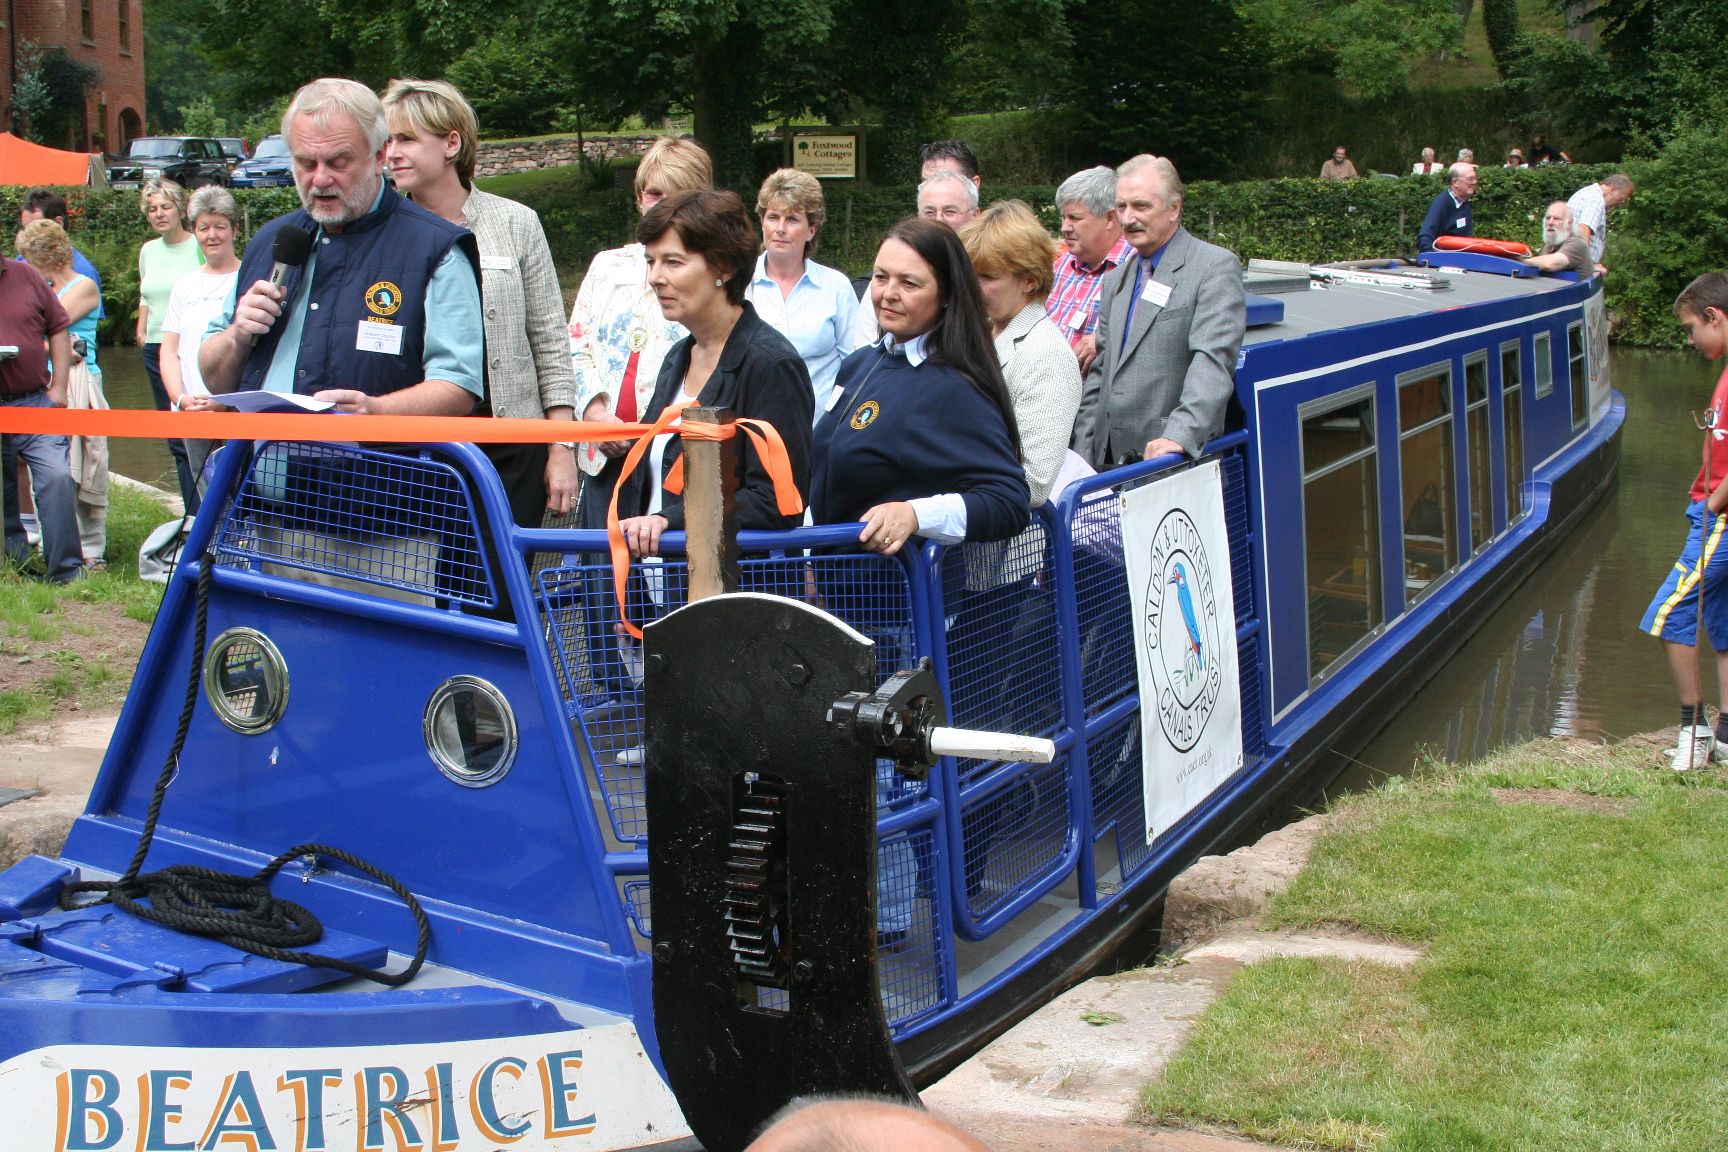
376,269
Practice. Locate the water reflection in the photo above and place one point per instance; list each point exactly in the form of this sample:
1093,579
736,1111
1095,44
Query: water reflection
126,386
1563,656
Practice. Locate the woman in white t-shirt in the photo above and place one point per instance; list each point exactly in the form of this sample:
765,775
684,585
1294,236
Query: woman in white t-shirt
196,299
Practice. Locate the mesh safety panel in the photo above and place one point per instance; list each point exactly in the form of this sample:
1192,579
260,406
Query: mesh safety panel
1106,638
911,926
364,517
1015,838
1118,792
636,906
1000,610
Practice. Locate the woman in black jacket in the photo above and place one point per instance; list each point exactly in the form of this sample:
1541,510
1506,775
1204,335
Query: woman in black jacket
701,254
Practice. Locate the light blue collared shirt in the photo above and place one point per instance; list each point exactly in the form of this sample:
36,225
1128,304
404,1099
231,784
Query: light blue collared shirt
817,318
455,332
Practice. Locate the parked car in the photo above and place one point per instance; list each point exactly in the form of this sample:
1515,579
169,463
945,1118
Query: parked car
235,149
190,161
268,166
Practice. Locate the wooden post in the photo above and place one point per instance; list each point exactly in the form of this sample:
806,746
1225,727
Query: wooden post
710,507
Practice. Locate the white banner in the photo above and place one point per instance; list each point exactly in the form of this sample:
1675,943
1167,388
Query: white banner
1178,561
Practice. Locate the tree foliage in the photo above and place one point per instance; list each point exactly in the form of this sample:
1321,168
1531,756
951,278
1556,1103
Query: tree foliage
49,92
1367,44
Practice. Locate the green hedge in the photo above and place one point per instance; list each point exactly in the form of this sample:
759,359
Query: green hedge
1652,253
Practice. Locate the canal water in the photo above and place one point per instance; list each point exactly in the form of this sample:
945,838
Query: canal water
1562,657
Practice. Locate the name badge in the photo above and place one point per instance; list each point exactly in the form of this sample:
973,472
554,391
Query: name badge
495,264
376,337
1077,320
1463,222
1155,294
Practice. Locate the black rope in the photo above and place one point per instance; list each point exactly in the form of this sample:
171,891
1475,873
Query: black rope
238,911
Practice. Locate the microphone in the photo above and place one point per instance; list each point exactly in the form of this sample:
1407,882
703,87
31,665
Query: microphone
293,245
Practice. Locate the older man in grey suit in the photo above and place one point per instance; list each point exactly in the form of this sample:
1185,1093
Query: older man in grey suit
1170,323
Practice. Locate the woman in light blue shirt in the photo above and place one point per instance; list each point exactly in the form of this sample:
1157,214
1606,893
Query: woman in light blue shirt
811,304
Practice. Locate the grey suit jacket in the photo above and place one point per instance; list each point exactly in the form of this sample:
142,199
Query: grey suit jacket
1174,376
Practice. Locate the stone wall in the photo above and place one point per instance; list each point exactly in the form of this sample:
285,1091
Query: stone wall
495,159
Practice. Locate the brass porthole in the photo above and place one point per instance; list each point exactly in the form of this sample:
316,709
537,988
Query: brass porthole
470,731
246,680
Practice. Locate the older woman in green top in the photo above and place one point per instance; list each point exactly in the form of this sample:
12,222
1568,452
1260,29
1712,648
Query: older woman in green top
161,262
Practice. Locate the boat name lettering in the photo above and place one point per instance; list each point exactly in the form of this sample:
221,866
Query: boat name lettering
437,1108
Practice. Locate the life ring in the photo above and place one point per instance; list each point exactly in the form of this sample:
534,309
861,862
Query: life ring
1481,244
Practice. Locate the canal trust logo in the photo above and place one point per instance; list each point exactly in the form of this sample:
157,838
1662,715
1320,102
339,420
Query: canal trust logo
1181,631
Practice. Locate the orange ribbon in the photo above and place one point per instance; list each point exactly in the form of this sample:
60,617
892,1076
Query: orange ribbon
770,449
321,427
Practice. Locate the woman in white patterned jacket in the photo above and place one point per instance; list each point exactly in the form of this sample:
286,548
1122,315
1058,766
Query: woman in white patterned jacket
430,154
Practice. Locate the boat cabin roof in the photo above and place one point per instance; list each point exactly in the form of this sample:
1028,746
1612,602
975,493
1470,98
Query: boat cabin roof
1350,298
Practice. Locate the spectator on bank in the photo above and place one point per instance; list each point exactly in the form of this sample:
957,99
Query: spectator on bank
161,263
1563,249
46,204
949,156
1514,159
430,155
1339,167
198,298
29,316
1011,253
1590,205
1541,153
810,304
1449,213
44,246
1092,235
1466,156
1427,166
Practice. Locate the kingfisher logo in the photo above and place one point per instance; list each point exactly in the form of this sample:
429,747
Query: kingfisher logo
1181,635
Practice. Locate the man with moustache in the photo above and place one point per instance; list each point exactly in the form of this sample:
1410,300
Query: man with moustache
1093,238
1170,323
1563,249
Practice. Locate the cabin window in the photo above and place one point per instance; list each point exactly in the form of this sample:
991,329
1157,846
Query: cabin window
1544,357
1512,420
1341,526
1580,377
1479,452
1425,454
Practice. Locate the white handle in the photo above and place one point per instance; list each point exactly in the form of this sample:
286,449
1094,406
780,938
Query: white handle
970,745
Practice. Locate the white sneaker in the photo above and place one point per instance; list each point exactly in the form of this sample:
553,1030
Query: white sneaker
630,757
1696,748
32,529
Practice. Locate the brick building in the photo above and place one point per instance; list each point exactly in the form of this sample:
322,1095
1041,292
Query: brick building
107,34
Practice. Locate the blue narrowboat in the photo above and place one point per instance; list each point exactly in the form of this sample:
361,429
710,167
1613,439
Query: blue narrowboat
366,682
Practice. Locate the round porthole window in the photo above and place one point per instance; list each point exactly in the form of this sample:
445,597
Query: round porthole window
470,731
245,680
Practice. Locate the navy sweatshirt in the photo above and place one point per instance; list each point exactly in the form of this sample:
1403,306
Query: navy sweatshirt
899,432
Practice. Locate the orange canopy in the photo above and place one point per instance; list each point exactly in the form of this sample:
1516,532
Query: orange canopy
22,162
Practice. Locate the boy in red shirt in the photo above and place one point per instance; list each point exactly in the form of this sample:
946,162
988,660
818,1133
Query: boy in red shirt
1673,616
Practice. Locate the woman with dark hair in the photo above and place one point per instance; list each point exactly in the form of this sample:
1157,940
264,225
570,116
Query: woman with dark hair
701,248
920,438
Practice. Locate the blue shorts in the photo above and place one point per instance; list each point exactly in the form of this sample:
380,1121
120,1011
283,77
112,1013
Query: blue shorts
1673,614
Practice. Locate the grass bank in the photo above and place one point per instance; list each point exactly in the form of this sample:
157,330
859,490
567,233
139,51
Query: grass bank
74,647
1574,992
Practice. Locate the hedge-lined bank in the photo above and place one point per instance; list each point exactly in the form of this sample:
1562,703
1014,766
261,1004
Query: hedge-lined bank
1652,253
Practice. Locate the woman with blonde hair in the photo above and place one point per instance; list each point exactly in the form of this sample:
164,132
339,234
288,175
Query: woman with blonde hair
44,246
1014,256
811,304
161,263
430,155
